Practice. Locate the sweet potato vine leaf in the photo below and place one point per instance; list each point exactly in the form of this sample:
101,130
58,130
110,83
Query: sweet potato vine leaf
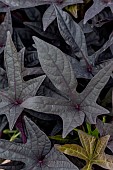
12,165
73,9
36,153
24,70
96,8
17,4
18,90
92,151
5,26
74,36
74,106
104,129
71,32
3,7
49,14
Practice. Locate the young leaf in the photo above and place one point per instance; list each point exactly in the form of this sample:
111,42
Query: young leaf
73,9
36,153
74,106
18,90
92,151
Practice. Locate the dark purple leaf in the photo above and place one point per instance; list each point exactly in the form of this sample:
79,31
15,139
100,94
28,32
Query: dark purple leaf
18,90
49,14
5,26
17,4
97,7
105,129
36,153
74,106
12,165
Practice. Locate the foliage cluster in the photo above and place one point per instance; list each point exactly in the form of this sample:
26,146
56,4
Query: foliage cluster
56,65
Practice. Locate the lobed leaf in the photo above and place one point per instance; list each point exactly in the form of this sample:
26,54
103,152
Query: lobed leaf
73,150
78,105
17,90
36,153
92,151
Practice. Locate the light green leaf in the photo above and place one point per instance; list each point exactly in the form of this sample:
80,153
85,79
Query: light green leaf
73,150
92,151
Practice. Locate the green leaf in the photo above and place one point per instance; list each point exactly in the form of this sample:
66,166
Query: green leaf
90,132
73,150
95,133
73,10
92,151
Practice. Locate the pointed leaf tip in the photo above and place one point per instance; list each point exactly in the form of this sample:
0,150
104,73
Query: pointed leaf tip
8,34
27,120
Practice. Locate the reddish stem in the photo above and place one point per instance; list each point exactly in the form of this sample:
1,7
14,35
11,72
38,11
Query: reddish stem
19,125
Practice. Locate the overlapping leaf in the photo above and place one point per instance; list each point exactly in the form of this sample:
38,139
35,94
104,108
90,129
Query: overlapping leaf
37,27
71,32
17,41
97,7
3,7
104,17
74,36
36,153
33,14
3,123
3,79
74,106
27,71
5,26
104,129
17,4
73,10
92,151
18,90
12,165
49,14
24,70
86,28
